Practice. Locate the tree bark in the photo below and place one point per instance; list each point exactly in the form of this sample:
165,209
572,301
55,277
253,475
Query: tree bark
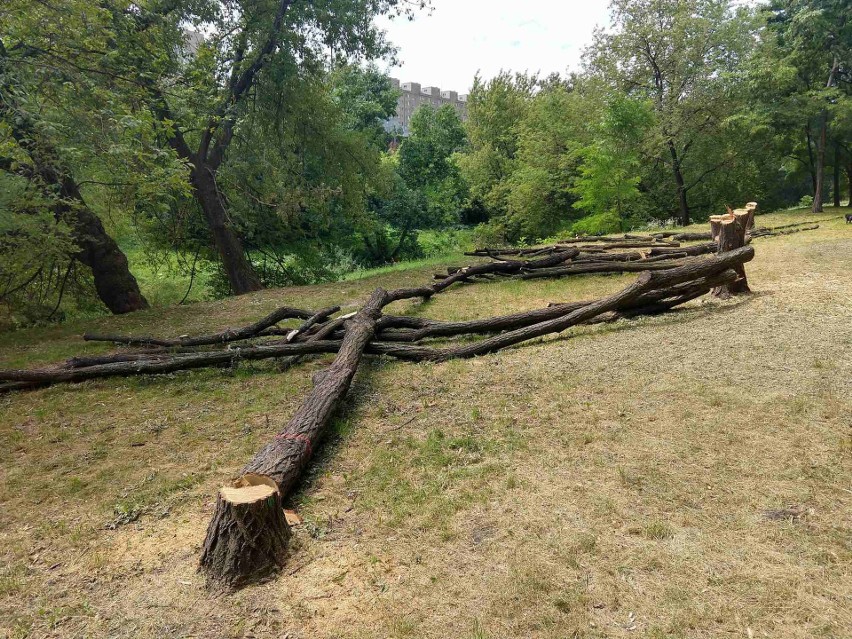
238,269
247,539
849,182
836,175
820,164
732,234
823,133
235,335
683,204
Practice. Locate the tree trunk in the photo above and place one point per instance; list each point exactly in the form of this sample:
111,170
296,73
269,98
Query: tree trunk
821,143
820,165
238,269
811,162
115,284
849,179
280,463
247,539
683,205
836,181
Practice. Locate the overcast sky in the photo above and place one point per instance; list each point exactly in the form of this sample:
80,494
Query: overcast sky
461,37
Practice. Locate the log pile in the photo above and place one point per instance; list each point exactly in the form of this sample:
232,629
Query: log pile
247,537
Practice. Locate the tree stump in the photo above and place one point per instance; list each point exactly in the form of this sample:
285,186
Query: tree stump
732,235
715,225
751,207
745,217
247,538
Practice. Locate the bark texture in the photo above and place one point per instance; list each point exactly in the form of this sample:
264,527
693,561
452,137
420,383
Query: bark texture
732,237
247,538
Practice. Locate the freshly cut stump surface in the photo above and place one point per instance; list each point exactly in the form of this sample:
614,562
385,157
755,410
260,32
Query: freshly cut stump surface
247,539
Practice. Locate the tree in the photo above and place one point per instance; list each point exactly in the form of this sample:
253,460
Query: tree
38,161
199,89
426,162
808,55
367,99
679,54
610,171
553,126
494,109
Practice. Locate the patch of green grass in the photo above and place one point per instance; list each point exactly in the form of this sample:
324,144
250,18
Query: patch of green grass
657,530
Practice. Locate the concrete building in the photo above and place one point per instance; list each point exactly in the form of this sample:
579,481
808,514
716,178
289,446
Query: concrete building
413,96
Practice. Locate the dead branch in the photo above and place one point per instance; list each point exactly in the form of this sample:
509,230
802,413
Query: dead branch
246,332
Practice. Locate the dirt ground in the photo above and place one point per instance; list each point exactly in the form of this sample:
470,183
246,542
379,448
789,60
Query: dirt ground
684,476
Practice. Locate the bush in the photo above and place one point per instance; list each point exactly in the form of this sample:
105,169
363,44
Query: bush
492,234
438,243
598,224
806,202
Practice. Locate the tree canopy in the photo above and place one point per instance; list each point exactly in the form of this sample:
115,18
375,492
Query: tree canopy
252,140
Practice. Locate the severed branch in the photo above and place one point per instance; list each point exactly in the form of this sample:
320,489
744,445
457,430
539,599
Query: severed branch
246,332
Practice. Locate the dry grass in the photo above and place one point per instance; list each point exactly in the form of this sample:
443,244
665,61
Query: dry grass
681,476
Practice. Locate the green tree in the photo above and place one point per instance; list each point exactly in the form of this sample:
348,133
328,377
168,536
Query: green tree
495,109
803,62
197,93
538,198
367,99
426,162
610,173
680,54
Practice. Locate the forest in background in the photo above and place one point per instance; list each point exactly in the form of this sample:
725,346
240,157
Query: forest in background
244,143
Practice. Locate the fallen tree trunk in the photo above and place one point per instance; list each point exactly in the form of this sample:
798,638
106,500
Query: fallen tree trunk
647,281
692,251
789,231
601,267
326,340
280,462
407,329
629,245
246,332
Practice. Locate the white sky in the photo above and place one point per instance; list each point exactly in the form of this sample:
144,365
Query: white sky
460,37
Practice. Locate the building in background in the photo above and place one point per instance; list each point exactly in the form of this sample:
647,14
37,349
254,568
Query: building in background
413,96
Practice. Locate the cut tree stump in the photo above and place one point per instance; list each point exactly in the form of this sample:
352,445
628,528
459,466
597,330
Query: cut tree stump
732,235
280,463
752,208
247,538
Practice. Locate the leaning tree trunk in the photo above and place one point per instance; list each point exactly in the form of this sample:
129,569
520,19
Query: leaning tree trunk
238,269
115,284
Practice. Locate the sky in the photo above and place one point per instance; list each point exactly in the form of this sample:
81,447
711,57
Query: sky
460,37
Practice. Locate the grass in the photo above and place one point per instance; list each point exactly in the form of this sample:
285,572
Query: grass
612,482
